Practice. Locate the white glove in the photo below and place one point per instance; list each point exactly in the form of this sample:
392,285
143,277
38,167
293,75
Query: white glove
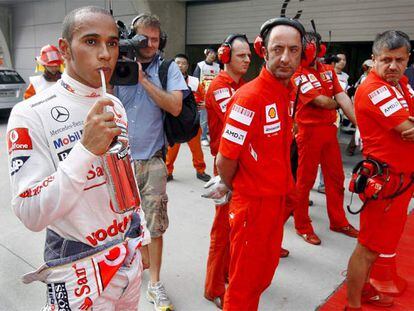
217,191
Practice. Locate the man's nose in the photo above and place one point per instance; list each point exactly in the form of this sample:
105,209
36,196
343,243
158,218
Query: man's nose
285,56
393,65
104,52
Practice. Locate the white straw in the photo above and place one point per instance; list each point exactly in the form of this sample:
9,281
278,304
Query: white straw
103,83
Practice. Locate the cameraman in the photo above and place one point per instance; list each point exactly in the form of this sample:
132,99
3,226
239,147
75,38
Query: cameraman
145,104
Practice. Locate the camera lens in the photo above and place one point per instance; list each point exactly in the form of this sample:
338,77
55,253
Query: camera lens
123,71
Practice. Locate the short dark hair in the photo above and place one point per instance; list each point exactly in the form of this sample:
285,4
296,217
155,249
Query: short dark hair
69,21
391,40
313,36
331,59
181,55
146,20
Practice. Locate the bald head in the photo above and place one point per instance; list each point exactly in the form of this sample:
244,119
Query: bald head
72,18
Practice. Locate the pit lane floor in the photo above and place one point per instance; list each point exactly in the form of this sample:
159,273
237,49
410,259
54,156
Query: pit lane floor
302,281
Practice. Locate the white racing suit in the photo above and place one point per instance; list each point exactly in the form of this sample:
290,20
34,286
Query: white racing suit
92,260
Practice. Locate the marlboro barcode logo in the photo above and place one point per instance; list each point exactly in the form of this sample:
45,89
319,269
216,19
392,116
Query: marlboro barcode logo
379,94
241,114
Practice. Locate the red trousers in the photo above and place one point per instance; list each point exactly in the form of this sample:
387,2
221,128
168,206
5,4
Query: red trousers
196,151
219,253
218,256
319,145
256,230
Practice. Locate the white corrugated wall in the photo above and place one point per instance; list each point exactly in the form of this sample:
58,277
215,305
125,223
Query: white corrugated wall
348,20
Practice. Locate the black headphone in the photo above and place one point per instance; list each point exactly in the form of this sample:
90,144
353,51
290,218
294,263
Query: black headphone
163,35
224,51
277,21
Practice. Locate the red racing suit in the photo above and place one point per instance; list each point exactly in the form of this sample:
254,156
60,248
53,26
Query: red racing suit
257,134
218,95
58,184
379,108
318,144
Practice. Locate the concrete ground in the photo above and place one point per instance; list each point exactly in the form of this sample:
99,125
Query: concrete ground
302,281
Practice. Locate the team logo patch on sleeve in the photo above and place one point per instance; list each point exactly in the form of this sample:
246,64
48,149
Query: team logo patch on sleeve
306,87
17,163
390,107
234,134
379,94
298,80
221,93
328,75
241,114
271,113
223,105
19,139
252,152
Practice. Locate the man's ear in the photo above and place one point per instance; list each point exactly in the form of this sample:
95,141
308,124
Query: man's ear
373,58
264,53
64,48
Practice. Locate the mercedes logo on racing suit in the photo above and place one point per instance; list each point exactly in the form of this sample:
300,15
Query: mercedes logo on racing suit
60,114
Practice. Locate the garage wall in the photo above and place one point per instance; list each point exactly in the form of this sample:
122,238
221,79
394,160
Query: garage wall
38,23
348,21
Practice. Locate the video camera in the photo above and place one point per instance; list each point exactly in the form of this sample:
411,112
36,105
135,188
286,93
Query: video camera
126,69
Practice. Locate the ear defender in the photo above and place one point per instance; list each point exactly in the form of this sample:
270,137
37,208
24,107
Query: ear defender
322,51
309,54
224,53
258,44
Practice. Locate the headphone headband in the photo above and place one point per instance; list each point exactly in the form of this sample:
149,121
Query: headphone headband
277,21
136,18
379,168
229,40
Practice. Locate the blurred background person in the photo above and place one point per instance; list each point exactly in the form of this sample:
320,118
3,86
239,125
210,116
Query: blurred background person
194,144
206,71
50,62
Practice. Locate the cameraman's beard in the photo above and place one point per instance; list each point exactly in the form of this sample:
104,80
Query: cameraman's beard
145,59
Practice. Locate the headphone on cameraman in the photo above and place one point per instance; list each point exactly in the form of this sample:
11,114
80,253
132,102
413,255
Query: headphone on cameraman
269,24
224,51
163,34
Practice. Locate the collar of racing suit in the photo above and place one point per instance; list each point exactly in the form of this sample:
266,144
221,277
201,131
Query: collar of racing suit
79,88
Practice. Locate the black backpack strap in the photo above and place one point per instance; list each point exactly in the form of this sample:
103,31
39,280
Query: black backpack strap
163,72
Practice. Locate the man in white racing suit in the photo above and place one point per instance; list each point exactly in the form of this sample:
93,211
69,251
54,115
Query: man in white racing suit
55,140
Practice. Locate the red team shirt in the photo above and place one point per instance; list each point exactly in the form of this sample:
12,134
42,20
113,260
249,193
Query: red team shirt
379,107
322,81
218,96
258,133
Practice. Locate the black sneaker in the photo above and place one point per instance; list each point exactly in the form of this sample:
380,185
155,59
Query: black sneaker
170,177
203,176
